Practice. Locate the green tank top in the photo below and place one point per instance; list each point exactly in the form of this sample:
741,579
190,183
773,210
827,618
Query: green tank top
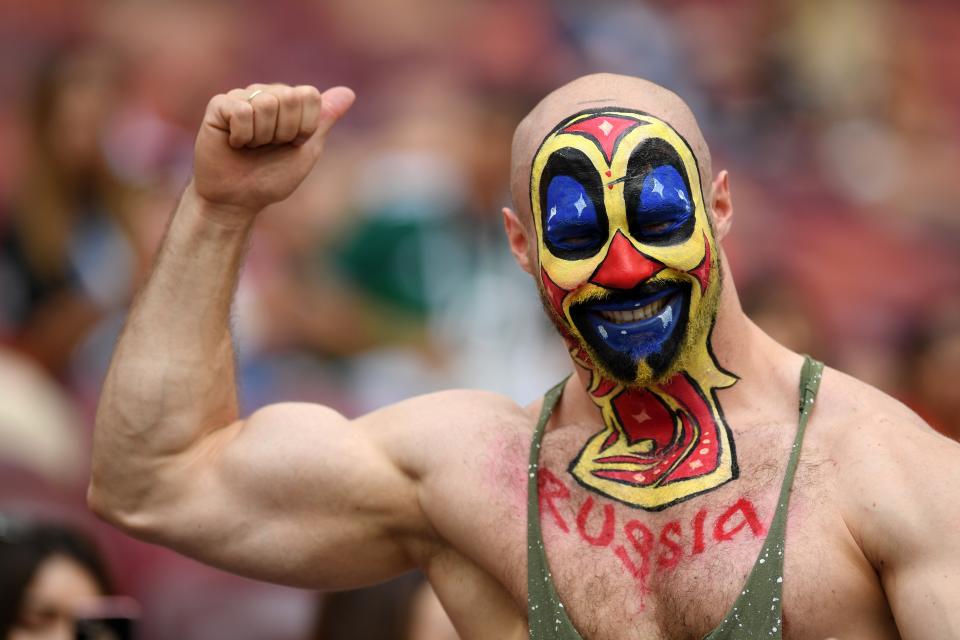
757,612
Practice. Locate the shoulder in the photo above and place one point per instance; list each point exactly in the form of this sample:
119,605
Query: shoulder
896,478
429,430
852,412
444,408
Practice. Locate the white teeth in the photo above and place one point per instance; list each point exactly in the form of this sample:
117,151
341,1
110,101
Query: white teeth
641,313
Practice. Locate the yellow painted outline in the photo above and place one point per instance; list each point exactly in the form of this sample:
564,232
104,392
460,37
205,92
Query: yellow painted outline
573,276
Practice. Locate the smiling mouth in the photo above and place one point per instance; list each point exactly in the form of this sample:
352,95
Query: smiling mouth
645,323
640,313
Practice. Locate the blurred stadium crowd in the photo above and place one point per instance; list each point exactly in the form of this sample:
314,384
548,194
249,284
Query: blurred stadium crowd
386,274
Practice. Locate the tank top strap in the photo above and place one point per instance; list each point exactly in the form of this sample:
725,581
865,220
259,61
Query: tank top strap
758,611
547,618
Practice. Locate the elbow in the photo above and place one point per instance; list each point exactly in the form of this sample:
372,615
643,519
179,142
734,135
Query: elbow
100,504
123,487
129,517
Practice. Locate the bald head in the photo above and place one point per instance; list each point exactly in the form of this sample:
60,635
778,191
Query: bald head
594,91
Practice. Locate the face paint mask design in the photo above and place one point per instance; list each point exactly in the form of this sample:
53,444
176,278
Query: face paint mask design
630,274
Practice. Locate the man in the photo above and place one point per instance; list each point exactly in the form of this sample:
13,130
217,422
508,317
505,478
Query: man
658,477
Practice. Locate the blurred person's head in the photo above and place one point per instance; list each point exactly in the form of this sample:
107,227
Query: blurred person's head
177,50
74,93
66,176
48,575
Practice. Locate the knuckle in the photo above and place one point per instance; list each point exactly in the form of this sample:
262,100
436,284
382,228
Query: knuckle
269,102
288,98
242,109
308,92
265,106
217,101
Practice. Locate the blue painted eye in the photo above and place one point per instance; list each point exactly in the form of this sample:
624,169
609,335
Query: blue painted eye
572,224
664,205
572,215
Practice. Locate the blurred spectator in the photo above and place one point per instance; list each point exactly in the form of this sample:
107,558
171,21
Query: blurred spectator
68,245
49,576
837,54
40,427
405,608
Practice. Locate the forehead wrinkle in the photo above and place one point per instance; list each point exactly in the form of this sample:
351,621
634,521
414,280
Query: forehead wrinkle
618,91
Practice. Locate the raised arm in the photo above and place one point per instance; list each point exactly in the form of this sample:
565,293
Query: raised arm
295,493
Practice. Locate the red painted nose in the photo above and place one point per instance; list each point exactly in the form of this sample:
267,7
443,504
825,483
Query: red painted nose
624,267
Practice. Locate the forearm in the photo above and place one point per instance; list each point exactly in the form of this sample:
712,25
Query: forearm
172,377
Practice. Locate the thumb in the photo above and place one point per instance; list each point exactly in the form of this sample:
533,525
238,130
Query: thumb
333,104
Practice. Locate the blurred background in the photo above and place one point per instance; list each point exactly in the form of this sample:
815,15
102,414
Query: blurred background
387,273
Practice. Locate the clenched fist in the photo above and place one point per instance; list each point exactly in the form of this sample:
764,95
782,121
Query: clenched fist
257,144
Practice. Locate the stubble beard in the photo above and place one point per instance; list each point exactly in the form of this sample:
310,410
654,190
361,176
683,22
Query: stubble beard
688,354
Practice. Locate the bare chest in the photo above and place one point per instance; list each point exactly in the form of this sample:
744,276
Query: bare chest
626,573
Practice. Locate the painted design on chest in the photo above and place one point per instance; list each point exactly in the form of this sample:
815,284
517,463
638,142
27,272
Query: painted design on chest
630,274
660,445
644,550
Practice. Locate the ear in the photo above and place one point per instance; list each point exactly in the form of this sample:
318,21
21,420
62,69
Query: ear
721,205
518,239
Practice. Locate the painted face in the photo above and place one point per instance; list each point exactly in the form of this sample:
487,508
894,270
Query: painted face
628,264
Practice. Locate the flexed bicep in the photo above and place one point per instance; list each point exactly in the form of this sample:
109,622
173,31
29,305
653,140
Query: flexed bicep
296,494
